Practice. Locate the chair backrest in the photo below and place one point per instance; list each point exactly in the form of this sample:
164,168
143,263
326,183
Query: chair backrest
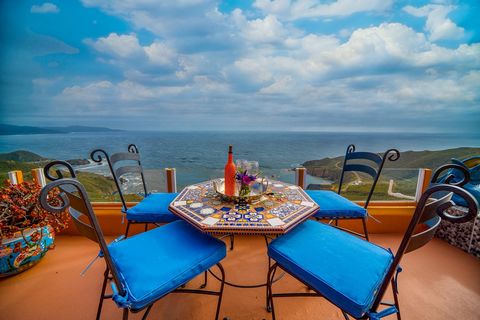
366,162
121,163
472,164
428,215
74,197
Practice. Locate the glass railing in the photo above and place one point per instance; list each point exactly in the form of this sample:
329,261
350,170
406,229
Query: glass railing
395,184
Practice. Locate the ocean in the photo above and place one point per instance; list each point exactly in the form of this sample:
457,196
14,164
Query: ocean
199,156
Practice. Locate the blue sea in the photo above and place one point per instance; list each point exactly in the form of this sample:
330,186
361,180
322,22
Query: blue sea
199,156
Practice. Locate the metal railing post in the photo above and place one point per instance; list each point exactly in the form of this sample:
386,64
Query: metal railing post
171,179
15,177
423,181
300,177
39,177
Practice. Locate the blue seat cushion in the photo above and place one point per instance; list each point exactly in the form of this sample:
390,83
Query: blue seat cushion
332,205
153,208
474,189
346,270
154,263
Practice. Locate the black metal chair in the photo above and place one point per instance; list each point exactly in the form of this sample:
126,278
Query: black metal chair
143,268
352,273
333,206
153,208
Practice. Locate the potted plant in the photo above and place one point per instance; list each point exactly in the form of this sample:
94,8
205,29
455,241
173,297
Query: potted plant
26,230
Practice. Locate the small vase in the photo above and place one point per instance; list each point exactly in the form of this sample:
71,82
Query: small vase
244,190
21,252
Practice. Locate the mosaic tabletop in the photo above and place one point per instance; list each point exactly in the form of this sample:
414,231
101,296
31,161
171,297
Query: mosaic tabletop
283,207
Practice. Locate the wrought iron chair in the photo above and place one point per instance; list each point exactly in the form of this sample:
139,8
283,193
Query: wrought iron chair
472,165
352,273
154,206
333,206
143,268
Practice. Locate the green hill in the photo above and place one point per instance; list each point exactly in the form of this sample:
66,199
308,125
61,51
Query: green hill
22,156
331,168
99,188
403,172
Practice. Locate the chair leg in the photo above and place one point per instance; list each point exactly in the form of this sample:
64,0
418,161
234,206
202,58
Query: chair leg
205,279
270,276
232,239
146,227
221,290
128,228
345,315
267,294
125,314
266,244
365,230
145,315
395,298
102,294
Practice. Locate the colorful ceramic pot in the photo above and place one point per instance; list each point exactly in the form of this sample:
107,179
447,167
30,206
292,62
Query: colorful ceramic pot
21,252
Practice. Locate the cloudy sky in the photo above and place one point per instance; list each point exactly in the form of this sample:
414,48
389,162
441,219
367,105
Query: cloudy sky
346,65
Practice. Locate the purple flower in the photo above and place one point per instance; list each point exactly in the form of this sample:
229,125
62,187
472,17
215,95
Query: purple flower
245,178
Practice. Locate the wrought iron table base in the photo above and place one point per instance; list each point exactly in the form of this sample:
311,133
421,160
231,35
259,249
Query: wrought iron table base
246,286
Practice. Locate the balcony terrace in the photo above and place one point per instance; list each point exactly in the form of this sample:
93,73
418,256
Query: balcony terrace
438,282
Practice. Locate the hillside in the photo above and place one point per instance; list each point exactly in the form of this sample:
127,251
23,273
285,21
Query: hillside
22,156
403,173
331,168
99,188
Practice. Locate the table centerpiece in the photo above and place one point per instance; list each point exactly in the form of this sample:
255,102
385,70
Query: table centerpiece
249,185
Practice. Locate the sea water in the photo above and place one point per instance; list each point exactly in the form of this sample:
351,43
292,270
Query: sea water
199,156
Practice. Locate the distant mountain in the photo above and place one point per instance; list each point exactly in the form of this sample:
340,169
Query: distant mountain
21,156
7,129
69,129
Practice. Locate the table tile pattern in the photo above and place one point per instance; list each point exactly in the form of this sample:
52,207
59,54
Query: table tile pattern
282,208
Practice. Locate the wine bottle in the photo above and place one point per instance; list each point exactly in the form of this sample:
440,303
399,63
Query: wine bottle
229,174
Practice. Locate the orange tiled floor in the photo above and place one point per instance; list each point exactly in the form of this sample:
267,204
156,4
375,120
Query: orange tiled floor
438,282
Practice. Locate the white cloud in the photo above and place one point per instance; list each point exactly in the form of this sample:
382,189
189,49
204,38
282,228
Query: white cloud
122,46
266,30
46,7
188,24
390,48
101,94
375,65
293,10
278,87
438,25
202,62
160,54
126,48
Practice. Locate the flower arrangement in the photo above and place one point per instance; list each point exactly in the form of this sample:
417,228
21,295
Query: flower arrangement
246,180
247,173
20,210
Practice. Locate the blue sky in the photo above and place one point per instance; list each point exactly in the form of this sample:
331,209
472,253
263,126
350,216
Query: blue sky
346,65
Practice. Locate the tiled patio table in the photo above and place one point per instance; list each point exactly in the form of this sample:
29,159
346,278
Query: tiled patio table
279,210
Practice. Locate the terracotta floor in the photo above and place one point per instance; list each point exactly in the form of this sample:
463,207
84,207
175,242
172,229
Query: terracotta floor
438,282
